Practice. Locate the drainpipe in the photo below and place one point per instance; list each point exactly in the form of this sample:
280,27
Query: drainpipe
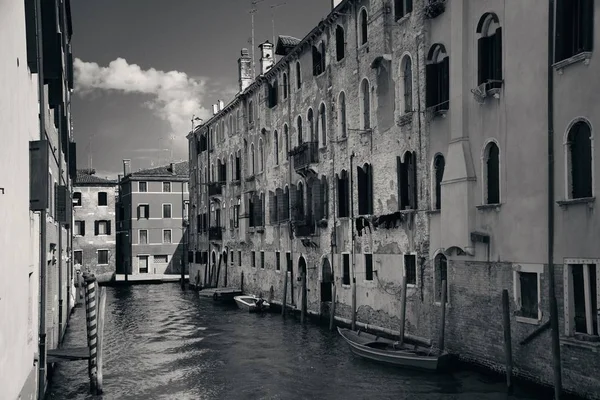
290,234
551,291
182,236
60,236
207,178
353,238
42,120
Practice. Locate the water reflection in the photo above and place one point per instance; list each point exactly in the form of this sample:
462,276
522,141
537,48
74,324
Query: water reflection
162,343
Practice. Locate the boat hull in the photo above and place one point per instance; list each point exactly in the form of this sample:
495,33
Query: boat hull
248,303
414,358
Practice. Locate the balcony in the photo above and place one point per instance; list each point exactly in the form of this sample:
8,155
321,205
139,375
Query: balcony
304,228
215,189
215,233
305,154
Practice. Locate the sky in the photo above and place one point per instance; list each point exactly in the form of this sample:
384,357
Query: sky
143,68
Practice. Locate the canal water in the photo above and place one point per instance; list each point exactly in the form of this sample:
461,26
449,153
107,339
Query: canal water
165,343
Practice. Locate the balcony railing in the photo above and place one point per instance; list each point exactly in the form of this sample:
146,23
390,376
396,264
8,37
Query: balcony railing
215,233
215,189
305,154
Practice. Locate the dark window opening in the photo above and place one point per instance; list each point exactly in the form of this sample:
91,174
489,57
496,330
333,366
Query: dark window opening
250,113
363,26
582,295
285,86
492,162
574,28
288,260
299,130
272,89
369,267
273,207
529,294
438,164
340,43
277,261
318,59
103,257
77,199
402,7
323,120
238,166
441,276
262,260
580,158
489,53
365,189
407,81
345,269
239,258
342,115
410,268
407,181
102,199
343,192
366,104
253,259
437,76
298,75
311,126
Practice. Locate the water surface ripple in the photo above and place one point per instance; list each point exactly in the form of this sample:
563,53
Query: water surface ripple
165,343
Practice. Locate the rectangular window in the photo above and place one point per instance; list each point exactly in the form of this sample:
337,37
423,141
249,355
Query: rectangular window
574,28
143,264
167,236
345,269
410,269
166,211
77,199
102,199
239,258
528,292
161,259
102,257
368,267
167,187
142,187
78,257
288,261
262,260
144,211
79,228
278,261
582,298
253,259
143,236
232,261
102,228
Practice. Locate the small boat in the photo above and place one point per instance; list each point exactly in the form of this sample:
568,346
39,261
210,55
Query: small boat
251,303
387,351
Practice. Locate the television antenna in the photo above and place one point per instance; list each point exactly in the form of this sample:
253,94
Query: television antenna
252,12
273,7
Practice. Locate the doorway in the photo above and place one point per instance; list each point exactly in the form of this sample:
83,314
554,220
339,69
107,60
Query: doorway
326,281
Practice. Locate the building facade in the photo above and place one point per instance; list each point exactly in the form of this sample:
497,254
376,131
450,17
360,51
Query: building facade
431,140
94,226
37,157
152,219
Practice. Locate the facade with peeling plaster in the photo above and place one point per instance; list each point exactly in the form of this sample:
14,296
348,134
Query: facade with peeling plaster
435,116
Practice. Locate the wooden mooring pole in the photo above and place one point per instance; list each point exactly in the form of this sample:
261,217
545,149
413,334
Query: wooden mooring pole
101,308
332,311
285,284
443,319
507,338
303,297
91,325
402,308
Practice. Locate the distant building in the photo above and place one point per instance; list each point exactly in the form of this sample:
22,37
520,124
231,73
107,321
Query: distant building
94,237
152,219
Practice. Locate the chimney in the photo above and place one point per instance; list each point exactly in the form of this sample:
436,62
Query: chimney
126,168
266,57
221,105
215,109
245,70
172,168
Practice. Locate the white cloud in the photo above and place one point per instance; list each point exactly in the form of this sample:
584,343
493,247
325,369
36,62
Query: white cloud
174,96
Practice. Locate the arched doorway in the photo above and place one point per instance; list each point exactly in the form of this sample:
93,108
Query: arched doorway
211,268
326,281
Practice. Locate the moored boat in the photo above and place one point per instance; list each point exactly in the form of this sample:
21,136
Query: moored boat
387,351
251,303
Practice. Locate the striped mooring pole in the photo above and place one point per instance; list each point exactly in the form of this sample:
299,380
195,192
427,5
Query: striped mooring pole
91,325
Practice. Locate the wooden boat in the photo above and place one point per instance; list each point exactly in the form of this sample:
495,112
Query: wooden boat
251,303
387,351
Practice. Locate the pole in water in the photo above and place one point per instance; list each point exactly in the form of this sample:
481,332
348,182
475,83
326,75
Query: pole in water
91,325
285,285
403,308
101,308
303,298
332,314
443,319
507,338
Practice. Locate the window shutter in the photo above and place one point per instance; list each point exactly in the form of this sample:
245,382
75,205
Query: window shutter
30,29
445,83
410,182
272,208
560,42
369,176
415,185
82,228
293,200
431,88
587,24
139,211
256,209
360,174
409,6
108,223
317,199
96,227
481,60
497,72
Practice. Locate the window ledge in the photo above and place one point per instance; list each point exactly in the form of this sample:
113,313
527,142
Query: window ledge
342,139
439,304
403,18
434,212
583,56
408,211
484,207
344,286
584,200
405,119
526,320
573,341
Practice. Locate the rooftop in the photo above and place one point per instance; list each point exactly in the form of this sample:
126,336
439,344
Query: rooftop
88,177
180,169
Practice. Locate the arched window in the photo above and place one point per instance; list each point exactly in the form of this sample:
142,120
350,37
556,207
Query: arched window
276,146
579,161
286,142
407,181
212,173
365,105
323,120
402,7
574,28
363,26
311,126
222,138
231,168
250,112
298,75
300,200
441,277
438,172
489,52
365,189
285,85
340,43
231,128
407,83
342,115
212,139
299,125
252,161
491,166
437,75
261,158
237,120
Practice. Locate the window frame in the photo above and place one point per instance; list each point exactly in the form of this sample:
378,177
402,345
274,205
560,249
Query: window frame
485,188
527,268
164,186
569,157
140,236
342,264
107,256
405,271
140,187
170,210
164,231
438,281
569,300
